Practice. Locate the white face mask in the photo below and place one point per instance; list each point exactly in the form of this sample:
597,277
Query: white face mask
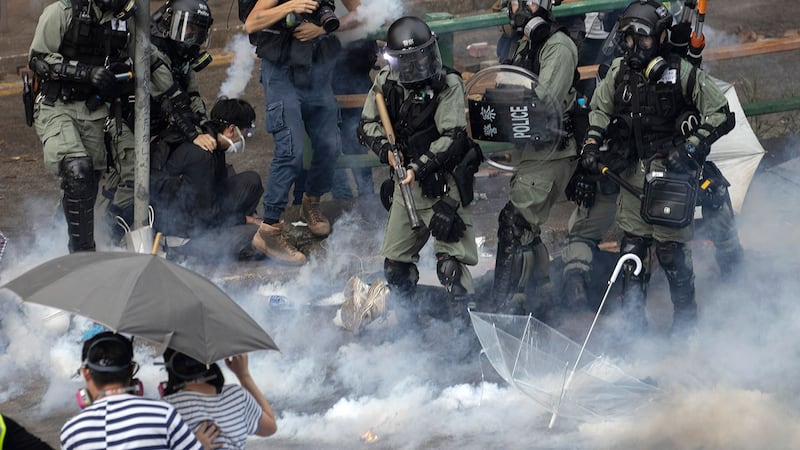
234,146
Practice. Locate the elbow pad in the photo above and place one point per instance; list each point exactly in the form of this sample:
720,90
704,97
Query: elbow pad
179,111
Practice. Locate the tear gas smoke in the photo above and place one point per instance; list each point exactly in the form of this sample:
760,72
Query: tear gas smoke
371,16
730,386
241,69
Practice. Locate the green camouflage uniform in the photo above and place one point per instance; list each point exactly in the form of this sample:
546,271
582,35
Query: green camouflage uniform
400,243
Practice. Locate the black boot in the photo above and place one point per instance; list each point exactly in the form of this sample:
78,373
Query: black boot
574,290
634,297
675,258
684,317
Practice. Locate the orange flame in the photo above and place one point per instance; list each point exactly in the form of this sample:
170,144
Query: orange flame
369,437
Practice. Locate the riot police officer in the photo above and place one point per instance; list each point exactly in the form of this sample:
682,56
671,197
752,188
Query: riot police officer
425,103
638,109
596,196
522,258
179,32
73,47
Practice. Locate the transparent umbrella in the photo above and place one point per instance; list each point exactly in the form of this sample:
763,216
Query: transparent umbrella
555,371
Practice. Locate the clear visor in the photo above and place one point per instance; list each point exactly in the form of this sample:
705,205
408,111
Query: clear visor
634,27
189,28
415,64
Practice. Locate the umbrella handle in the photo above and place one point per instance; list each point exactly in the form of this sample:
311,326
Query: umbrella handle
617,270
157,242
621,262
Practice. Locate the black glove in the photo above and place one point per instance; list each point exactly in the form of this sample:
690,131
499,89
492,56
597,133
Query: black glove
383,152
433,184
679,36
102,79
684,157
446,225
581,189
431,179
590,157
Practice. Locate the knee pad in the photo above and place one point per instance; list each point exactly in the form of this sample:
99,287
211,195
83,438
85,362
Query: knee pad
402,276
639,246
672,257
78,177
510,224
448,269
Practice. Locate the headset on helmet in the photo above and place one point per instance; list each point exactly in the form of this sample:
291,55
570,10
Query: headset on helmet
412,51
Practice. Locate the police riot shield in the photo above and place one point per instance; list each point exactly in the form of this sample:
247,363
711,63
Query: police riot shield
507,105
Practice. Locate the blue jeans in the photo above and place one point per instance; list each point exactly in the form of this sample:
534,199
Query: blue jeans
292,113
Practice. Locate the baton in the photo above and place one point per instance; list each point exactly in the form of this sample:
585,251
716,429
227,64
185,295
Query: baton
399,170
622,182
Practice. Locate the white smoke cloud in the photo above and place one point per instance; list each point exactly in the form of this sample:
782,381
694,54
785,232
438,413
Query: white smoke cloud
241,69
730,386
371,16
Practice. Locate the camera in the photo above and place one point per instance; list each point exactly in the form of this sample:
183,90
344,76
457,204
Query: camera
322,16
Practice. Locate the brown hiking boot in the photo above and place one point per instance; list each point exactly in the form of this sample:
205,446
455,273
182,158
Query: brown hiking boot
310,213
269,239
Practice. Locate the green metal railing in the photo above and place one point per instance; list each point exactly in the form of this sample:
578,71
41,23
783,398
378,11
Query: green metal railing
444,25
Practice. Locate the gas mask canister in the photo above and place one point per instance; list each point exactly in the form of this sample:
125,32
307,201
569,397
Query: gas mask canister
84,398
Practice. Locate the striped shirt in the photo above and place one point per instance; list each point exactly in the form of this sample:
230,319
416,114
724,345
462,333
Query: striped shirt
234,410
126,421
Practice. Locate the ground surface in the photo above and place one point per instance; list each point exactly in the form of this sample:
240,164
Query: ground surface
28,212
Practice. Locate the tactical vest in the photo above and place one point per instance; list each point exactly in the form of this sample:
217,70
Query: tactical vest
646,113
273,43
413,116
88,41
529,58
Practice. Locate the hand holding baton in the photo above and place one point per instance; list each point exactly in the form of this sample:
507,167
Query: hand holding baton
397,164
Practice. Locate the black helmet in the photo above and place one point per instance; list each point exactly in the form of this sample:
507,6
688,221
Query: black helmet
412,51
121,9
639,31
186,22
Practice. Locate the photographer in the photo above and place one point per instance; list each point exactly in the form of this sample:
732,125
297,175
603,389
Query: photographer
297,53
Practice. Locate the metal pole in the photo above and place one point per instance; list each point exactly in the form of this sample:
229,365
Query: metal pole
141,131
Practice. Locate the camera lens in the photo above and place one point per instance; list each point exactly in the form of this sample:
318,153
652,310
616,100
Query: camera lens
327,18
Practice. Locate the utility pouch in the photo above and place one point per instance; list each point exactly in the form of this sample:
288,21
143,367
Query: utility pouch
464,172
27,98
387,192
669,198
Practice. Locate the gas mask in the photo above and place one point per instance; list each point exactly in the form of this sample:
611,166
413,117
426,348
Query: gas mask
532,24
234,146
639,50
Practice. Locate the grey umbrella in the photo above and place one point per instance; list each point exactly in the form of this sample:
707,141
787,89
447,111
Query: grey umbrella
148,297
